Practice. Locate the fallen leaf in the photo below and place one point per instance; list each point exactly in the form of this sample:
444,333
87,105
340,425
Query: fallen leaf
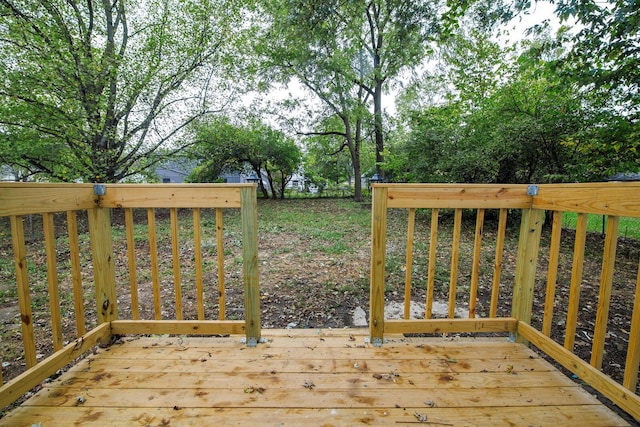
421,417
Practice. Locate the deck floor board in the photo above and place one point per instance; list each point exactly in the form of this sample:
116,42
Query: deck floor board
312,378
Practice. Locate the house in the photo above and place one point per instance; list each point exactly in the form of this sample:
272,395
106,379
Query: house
175,170
7,174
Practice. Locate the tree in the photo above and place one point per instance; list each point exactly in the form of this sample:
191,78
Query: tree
357,46
220,145
315,55
283,159
606,49
515,125
327,159
92,90
349,53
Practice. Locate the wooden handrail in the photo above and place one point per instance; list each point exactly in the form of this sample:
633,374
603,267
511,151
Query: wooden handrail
614,200
21,201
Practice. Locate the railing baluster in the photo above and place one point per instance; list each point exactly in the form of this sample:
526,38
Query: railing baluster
24,298
52,279
431,276
220,258
76,273
153,255
131,256
409,263
632,363
175,252
576,281
197,248
455,255
604,297
552,273
475,269
497,265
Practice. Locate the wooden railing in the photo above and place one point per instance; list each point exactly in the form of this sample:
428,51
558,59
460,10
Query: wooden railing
97,271
534,304
76,217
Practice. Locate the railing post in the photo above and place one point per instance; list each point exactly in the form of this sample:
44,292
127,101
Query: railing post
377,273
104,275
526,264
249,214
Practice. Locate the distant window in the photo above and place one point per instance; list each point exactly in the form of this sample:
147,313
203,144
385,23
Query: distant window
294,183
166,180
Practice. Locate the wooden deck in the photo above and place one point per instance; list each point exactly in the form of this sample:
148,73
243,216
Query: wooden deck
312,377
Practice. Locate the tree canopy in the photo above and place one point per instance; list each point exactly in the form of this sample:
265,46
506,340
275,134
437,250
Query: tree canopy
222,146
412,90
95,90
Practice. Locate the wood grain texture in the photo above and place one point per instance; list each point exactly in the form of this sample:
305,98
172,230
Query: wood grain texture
104,275
309,377
552,273
76,272
526,264
497,262
52,280
621,396
617,199
576,281
604,296
18,386
471,196
431,275
633,352
24,296
455,258
409,263
249,215
32,198
378,260
173,195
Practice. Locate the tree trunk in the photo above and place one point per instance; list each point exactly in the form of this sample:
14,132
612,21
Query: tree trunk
379,135
355,159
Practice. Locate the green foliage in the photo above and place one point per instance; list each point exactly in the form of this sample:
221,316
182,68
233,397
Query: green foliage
221,146
92,90
511,118
347,54
606,49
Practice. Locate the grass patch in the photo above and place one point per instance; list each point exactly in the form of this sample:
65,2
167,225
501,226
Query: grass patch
628,228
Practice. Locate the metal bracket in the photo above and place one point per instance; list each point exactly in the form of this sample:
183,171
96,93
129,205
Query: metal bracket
253,341
512,337
532,190
99,189
377,342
